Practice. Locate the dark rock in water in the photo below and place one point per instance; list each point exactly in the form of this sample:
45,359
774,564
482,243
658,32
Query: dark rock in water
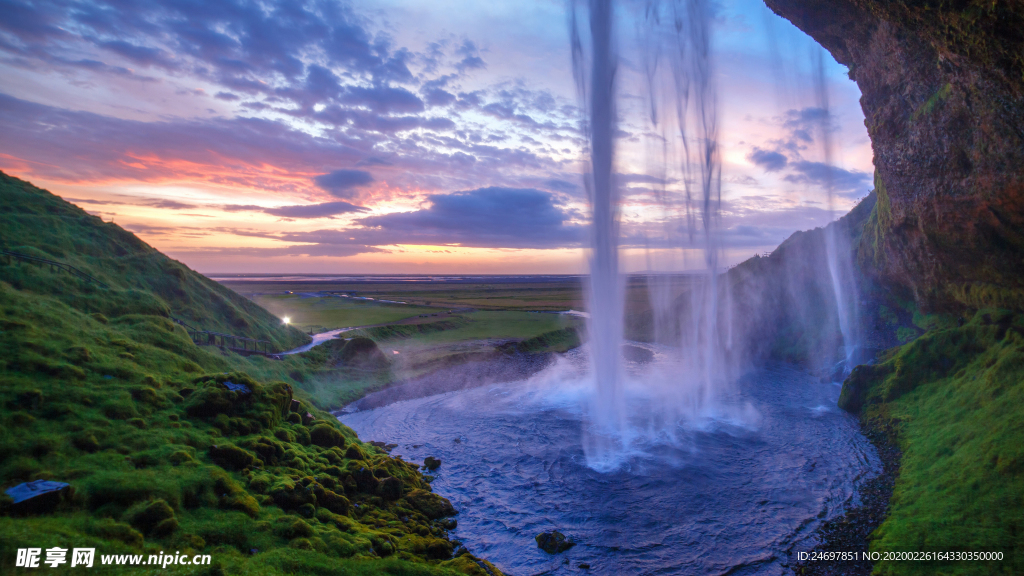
431,463
383,446
241,388
583,566
637,354
553,542
37,497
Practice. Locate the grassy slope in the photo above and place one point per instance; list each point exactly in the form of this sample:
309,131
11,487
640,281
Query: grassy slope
98,388
954,398
37,223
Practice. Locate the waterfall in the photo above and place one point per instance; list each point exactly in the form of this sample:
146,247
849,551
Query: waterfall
840,264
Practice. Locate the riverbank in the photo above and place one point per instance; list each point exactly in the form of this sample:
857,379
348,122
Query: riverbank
851,532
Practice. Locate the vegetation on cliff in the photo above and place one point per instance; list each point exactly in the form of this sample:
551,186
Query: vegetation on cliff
953,399
169,446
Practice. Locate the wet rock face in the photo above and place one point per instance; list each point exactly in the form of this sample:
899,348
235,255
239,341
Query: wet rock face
943,99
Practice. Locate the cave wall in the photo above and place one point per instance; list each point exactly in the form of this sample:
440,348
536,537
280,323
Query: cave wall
942,86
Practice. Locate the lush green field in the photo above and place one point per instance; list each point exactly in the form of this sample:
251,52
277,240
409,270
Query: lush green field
416,338
954,398
169,446
555,295
328,312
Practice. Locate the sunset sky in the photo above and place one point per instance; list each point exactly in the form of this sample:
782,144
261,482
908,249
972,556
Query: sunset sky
393,136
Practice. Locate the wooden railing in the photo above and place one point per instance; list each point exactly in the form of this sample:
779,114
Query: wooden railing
54,265
228,341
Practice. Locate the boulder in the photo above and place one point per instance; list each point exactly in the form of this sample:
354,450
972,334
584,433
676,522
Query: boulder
326,436
431,505
553,542
231,457
390,489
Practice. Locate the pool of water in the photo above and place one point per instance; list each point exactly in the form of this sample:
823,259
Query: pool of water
731,491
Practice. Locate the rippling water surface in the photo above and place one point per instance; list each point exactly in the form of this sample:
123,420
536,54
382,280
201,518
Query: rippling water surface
722,495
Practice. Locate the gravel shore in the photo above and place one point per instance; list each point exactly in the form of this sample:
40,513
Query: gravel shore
851,531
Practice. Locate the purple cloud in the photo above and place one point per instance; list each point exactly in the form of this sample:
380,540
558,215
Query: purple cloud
767,159
341,182
486,217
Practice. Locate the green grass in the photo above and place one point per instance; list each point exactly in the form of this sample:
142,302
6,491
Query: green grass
555,295
954,395
100,389
331,312
497,325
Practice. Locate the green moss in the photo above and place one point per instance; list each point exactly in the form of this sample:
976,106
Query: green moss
934,100
954,396
561,340
870,250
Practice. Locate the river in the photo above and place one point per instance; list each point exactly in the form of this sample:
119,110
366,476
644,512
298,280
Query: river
729,493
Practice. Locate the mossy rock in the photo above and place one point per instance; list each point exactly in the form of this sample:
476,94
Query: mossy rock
857,384
291,527
365,479
145,516
267,449
390,489
231,457
439,549
354,453
466,563
326,436
333,501
431,505
291,496
111,530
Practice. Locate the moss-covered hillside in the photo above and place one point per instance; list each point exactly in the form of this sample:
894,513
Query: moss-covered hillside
168,446
142,280
953,401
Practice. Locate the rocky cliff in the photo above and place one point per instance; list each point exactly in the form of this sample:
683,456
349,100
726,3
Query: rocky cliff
942,88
